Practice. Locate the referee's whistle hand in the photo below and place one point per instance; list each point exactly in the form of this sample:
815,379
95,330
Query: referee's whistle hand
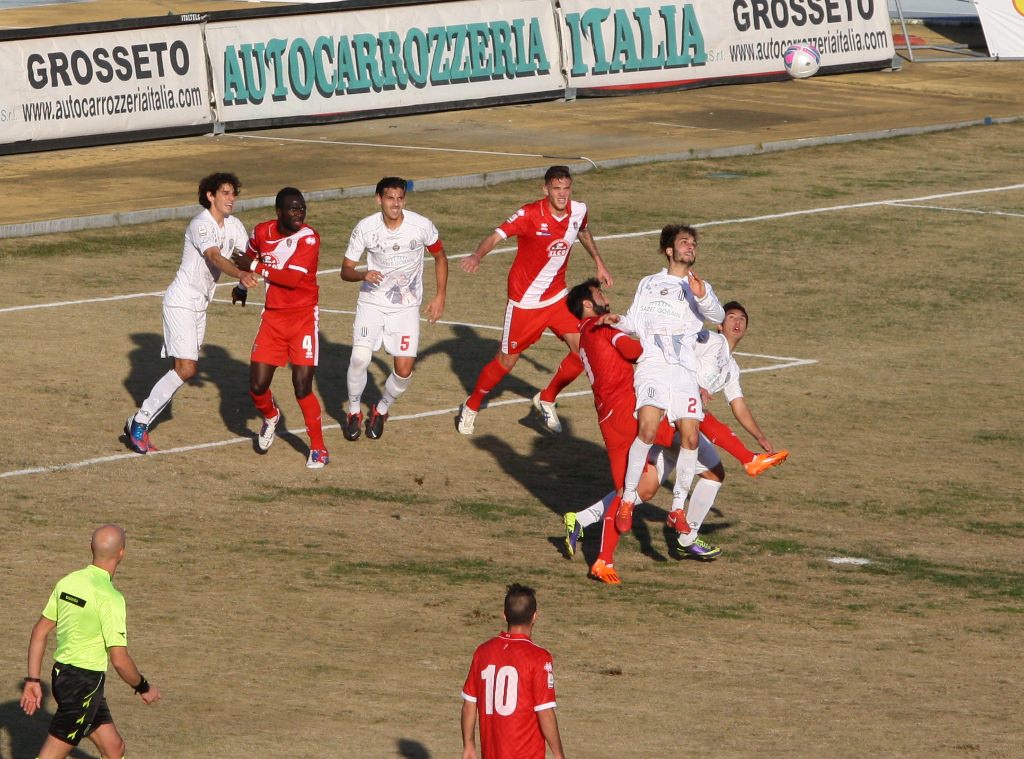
151,696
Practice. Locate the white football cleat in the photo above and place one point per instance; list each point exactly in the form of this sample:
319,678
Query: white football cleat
268,432
466,421
547,411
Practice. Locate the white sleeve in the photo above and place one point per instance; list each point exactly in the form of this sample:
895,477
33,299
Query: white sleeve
356,245
732,389
630,322
709,306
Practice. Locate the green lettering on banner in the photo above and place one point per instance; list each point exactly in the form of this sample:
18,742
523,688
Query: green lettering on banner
693,38
457,44
367,74
392,66
273,57
650,57
300,70
235,91
579,68
416,50
345,67
537,61
254,72
480,64
504,60
323,54
438,37
590,24
624,57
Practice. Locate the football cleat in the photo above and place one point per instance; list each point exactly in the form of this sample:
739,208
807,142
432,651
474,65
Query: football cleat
375,424
268,432
352,427
318,459
765,461
573,533
548,413
137,436
605,573
238,295
624,517
699,549
676,520
466,421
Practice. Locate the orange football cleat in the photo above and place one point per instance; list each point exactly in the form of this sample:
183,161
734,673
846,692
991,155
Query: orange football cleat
605,573
676,520
763,461
624,517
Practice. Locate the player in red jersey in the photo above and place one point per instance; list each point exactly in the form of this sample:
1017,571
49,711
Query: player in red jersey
285,252
511,685
608,356
545,232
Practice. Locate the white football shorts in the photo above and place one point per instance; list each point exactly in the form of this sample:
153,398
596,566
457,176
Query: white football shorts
670,387
184,330
398,331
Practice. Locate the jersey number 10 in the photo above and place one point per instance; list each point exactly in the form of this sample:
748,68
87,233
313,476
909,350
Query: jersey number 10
501,689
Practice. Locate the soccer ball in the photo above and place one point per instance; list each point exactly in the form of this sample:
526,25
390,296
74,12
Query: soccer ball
801,61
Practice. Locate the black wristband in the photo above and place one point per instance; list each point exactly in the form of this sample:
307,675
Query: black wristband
143,686
32,680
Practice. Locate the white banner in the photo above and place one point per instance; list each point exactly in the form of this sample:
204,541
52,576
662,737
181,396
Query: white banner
104,83
633,44
1002,21
325,65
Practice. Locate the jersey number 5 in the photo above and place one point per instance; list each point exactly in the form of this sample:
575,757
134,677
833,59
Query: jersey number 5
501,689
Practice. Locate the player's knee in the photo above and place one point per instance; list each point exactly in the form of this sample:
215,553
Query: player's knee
116,751
186,370
361,357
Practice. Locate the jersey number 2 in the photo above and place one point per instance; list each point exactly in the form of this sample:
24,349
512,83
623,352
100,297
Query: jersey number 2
501,689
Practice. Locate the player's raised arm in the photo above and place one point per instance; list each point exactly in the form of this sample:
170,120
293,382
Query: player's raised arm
471,264
590,245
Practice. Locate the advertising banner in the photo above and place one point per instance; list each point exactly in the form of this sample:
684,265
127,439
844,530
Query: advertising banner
636,44
105,83
1002,21
324,66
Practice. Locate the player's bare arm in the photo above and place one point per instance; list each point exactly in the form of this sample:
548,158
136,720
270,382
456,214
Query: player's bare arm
549,729
350,273
471,264
590,245
697,286
745,417
32,693
229,267
435,307
468,730
129,672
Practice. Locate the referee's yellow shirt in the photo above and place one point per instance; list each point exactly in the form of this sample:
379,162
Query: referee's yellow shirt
90,616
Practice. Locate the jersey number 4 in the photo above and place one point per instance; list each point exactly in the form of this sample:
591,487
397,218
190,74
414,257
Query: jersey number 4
501,689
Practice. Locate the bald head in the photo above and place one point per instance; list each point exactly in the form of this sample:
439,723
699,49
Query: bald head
107,542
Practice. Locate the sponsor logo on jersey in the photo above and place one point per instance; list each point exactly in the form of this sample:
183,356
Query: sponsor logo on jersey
270,260
414,244
558,249
396,247
310,240
72,599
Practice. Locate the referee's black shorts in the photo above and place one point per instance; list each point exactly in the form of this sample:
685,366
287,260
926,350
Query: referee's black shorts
81,706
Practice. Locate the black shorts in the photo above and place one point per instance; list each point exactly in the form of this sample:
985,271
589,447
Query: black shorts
81,706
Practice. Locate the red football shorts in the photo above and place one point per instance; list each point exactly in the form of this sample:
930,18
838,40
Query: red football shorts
618,428
288,336
524,326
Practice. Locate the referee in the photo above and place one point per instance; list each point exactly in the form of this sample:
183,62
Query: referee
89,615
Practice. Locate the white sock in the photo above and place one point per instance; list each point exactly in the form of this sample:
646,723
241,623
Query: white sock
635,468
356,377
686,468
159,397
594,513
394,386
701,501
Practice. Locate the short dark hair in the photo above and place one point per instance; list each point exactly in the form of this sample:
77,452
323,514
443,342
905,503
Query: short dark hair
391,183
213,183
556,172
670,232
520,604
581,292
735,305
287,192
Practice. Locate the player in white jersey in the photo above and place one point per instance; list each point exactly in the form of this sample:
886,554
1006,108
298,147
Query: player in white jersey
212,236
668,311
387,312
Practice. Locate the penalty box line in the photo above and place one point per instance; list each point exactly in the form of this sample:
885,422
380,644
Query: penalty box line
788,363
621,236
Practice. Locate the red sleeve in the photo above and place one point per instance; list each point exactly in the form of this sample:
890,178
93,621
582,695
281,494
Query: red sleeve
289,278
628,347
302,263
516,224
470,686
542,681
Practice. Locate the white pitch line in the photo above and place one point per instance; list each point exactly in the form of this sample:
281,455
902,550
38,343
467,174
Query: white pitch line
621,236
67,467
959,210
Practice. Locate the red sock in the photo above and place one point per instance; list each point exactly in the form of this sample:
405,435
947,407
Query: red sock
570,368
490,376
311,413
720,434
265,404
609,535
